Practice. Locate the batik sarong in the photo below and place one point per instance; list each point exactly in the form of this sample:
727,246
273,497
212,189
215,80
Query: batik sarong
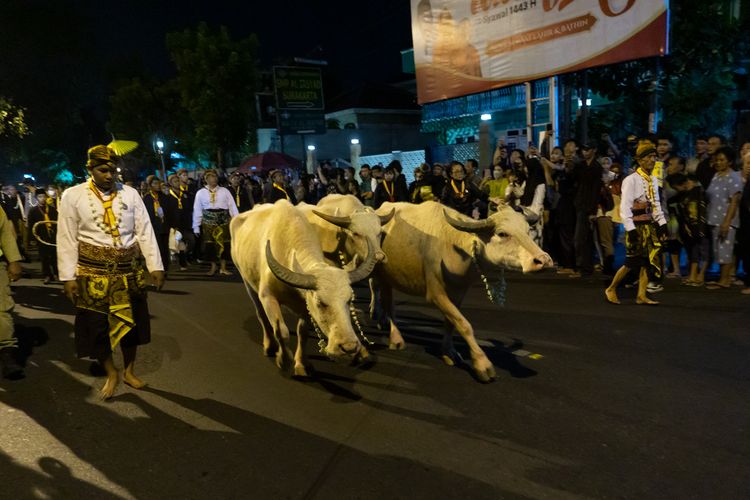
215,234
111,303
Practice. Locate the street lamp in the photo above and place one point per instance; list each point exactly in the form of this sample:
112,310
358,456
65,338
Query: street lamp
310,163
160,150
354,151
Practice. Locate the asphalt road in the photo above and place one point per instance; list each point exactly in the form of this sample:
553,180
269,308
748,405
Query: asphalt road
591,401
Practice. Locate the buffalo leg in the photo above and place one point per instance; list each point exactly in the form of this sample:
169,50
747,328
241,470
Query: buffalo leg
479,361
375,309
395,340
301,366
270,346
280,330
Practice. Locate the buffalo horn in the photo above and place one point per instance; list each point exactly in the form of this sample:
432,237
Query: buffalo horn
473,226
365,268
291,278
336,220
385,219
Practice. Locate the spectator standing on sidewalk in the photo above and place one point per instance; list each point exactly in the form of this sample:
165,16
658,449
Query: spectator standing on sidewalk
723,215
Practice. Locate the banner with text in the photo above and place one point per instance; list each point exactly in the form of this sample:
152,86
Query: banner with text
467,46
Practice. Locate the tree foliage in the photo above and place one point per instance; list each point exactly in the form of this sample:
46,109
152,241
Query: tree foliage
12,121
147,110
696,82
216,77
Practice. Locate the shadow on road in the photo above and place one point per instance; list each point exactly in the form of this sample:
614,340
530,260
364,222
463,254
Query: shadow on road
154,454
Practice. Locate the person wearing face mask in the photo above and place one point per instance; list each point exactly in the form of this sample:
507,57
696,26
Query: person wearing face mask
103,231
43,228
495,186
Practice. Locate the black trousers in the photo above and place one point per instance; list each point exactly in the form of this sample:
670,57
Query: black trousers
584,243
163,241
48,256
92,330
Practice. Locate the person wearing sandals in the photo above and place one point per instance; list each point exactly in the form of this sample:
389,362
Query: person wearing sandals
644,222
691,218
723,215
213,209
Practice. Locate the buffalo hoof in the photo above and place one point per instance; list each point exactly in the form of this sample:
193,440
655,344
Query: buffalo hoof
302,371
270,350
283,360
452,358
485,373
397,346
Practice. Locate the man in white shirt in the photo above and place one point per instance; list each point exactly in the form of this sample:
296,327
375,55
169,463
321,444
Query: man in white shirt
644,222
212,211
103,231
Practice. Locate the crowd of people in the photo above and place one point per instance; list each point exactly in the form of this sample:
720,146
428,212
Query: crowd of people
581,203
570,195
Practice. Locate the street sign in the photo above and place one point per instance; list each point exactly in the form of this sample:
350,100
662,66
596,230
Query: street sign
301,122
298,88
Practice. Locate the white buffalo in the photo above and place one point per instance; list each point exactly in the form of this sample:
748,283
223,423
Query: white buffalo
430,249
279,257
346,228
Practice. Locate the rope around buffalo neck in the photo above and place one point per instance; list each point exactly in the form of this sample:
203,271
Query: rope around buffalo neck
495,291
322,341
353,311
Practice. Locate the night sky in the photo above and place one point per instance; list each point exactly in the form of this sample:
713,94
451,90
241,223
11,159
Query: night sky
360,40
61,59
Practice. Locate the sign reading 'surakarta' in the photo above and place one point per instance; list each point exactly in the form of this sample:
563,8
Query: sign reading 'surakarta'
298,88
467,46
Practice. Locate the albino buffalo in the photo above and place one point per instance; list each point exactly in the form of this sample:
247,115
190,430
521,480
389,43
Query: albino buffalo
279,257
430,248
346,227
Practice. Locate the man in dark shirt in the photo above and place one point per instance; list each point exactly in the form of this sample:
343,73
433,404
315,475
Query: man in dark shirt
588,177
705,169
240,192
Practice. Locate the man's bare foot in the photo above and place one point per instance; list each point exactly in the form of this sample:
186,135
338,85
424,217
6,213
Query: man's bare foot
133,381
645,301
109,387
211,271
611,296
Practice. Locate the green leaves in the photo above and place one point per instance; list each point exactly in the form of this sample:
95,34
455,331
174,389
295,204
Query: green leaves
12,121
216,81
696,81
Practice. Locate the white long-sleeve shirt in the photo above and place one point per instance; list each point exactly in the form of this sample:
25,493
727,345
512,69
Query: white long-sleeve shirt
635,188
81,214
202,202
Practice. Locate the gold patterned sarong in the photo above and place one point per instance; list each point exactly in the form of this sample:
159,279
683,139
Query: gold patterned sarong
645,249
107,278
215,228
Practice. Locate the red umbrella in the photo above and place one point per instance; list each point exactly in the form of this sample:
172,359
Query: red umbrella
265,162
